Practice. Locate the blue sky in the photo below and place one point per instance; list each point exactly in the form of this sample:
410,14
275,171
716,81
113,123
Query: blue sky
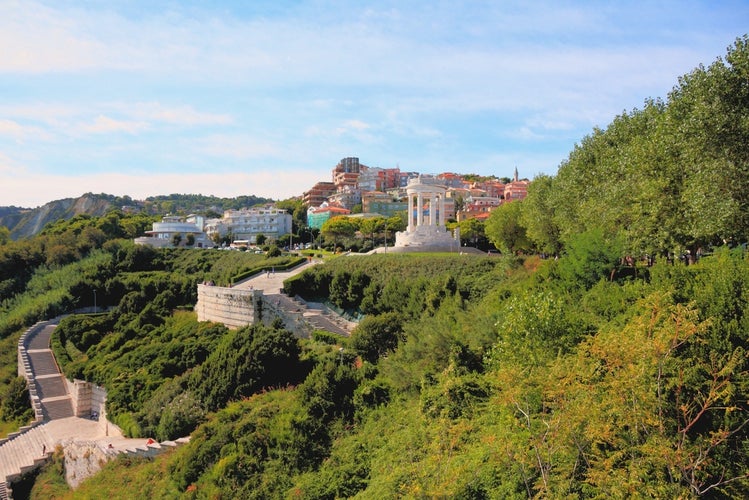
142,98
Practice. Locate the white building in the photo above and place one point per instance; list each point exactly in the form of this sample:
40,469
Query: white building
426,213
248,223
175,231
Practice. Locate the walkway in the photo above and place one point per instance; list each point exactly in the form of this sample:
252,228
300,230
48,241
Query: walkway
315,314
25,451
51,386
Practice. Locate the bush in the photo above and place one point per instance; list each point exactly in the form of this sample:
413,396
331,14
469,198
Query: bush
376,335
15,403
590,257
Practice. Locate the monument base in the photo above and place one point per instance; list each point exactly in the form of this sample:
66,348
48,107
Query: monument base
425,239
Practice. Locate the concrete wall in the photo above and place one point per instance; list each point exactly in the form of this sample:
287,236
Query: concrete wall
233,307
24,366
87,399
241,307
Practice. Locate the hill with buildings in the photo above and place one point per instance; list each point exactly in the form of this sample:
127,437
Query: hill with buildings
27,222
614,370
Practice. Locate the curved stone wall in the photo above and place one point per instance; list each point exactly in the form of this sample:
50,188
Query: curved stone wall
231,306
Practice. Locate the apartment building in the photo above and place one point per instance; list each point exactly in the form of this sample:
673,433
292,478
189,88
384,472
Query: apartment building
517,189
317,216
318,194
346,173
477,206
248,223
377,202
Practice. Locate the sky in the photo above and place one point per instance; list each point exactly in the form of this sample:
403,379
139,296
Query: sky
224,98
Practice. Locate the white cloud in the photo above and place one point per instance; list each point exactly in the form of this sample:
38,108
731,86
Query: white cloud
13,129
184,115
355,125
8,168
103,84
22,133
105,125
237,147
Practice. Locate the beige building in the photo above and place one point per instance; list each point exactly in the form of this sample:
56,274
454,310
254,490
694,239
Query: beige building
248,223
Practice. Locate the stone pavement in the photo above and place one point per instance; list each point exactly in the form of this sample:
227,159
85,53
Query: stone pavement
272,283
24,451
318,315
50,383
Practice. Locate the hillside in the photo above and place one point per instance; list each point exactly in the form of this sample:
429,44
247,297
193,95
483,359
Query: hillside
617,369
24,223
27,222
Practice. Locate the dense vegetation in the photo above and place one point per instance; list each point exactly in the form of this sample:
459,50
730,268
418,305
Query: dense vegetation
597,374
662,180
82,263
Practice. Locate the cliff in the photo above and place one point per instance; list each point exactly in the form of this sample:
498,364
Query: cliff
26,222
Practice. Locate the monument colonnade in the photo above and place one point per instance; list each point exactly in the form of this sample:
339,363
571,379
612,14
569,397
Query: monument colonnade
421,192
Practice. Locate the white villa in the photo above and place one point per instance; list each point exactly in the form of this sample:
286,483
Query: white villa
176,231
248,223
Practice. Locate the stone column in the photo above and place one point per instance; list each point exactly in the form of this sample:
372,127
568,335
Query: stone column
433,209
442,209
410,212
419,209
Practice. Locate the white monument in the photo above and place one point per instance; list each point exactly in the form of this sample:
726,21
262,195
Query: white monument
426,230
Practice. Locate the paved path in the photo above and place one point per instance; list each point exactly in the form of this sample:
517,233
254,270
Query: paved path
53,391
272,283
30,449
317,315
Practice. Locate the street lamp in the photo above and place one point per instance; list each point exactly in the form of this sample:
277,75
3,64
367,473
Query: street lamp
94,301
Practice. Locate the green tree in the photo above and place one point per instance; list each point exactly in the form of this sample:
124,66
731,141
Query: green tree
339,289
372,226
505,230
589,258
339,227
298,211
472,232
4,235
247,360
14,402
375,336
537,216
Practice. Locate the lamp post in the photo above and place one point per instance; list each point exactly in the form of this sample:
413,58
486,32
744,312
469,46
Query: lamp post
94,301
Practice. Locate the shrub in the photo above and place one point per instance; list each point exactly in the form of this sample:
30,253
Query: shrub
377,335
14,402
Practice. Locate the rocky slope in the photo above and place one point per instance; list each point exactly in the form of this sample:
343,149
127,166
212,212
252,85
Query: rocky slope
25,222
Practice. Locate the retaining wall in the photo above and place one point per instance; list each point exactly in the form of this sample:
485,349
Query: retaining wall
231,306
89,399
24,366
236,307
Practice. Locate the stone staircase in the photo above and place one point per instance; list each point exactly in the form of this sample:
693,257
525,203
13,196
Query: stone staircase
29,448
82,458
321,317
149,450
50,384
55,424
25,452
